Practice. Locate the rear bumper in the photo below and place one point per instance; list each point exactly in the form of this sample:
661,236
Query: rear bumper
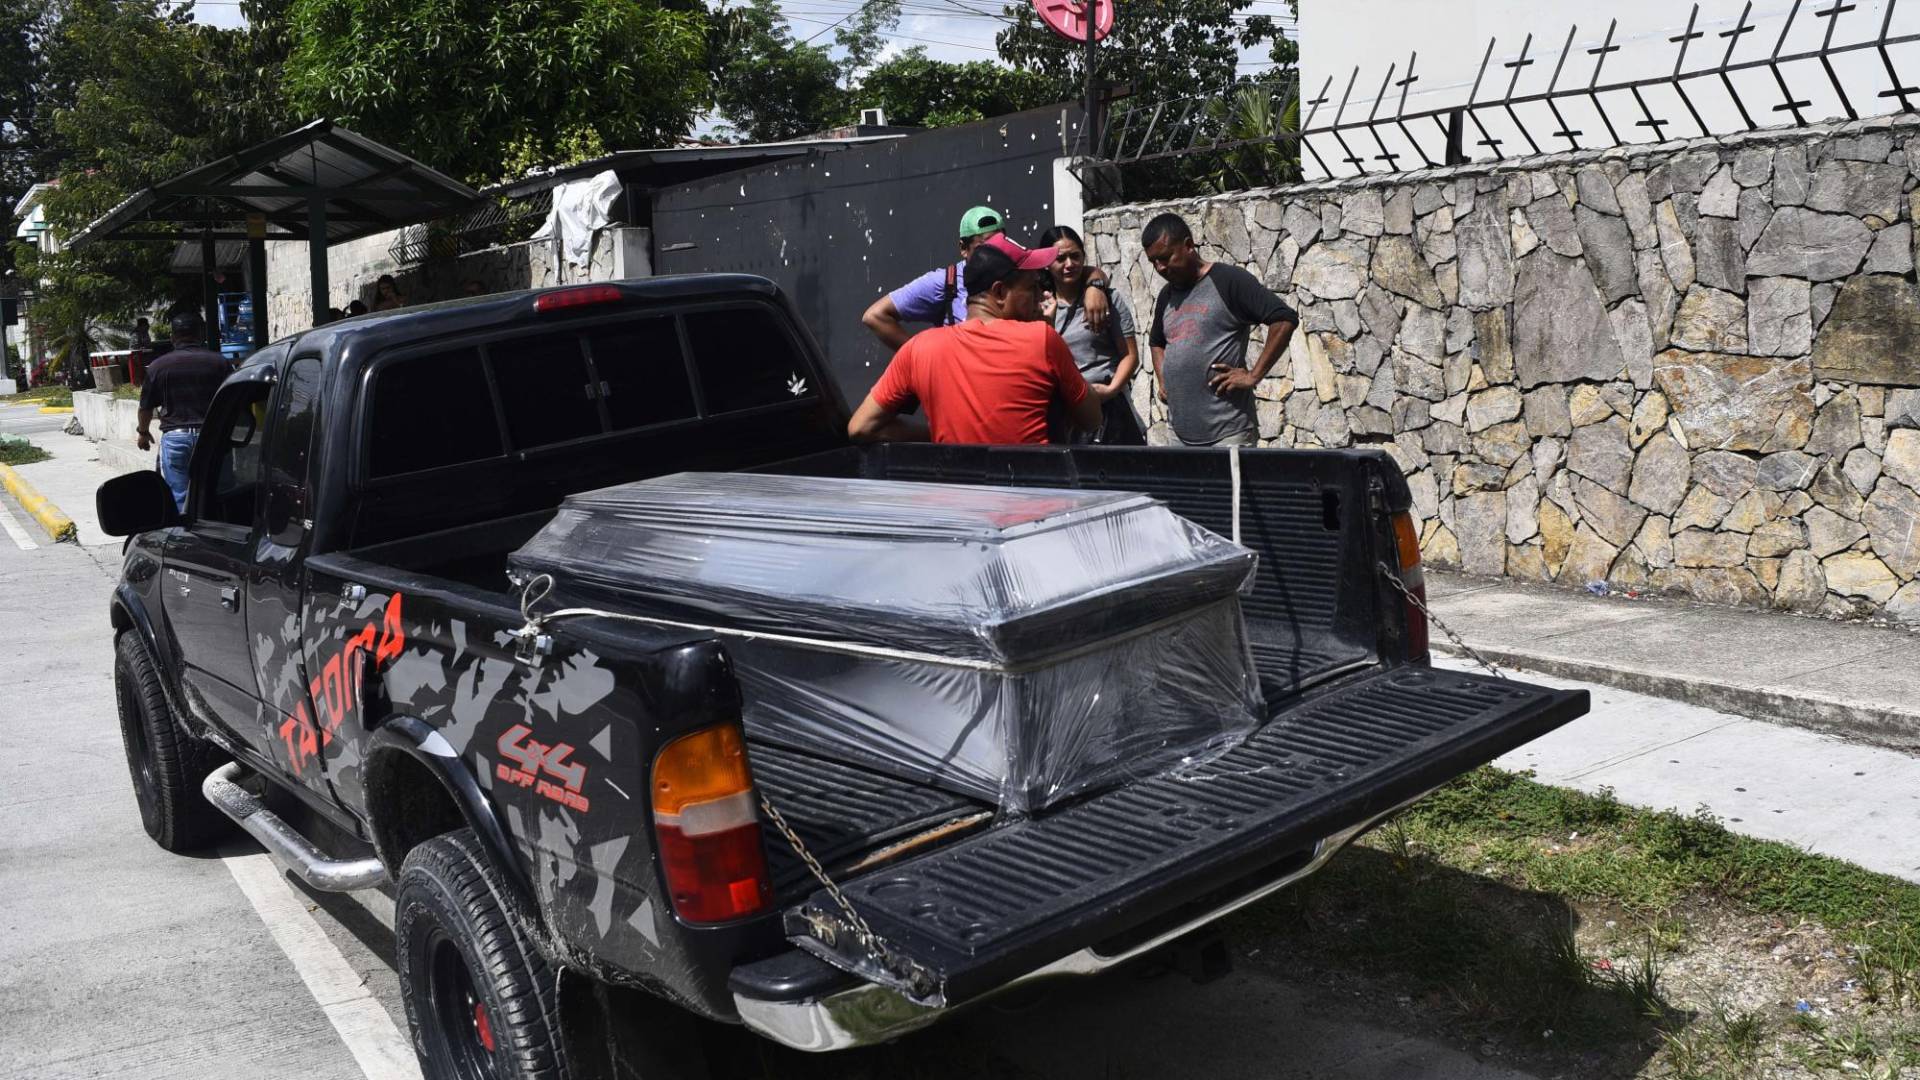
867,1014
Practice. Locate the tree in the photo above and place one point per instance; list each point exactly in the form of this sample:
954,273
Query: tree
128,93
1163,49
863,38
23,150
915,90
768,86
480,88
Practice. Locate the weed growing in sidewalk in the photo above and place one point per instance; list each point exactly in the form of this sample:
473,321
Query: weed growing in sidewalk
43,395
1550,924
17,451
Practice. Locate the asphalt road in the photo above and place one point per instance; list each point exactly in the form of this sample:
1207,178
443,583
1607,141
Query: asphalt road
120,960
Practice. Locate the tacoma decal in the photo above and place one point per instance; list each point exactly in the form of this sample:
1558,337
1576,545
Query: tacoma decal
335,692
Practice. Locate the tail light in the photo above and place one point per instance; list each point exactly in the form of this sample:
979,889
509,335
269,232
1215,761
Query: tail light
708,823
561,299
1406,540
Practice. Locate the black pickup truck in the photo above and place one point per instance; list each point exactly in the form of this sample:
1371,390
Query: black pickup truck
325,647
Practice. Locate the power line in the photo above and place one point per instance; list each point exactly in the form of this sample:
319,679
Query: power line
841,19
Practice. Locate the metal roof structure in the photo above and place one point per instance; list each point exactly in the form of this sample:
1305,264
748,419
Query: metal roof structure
319,183
672,164
359,186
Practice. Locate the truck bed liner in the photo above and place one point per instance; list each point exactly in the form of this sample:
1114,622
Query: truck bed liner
983,910
841,811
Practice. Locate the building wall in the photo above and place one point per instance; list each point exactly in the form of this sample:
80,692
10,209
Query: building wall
1451,41
1689,368
838,230
352,269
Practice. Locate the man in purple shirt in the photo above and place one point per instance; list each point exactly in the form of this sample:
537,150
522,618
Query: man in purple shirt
939,297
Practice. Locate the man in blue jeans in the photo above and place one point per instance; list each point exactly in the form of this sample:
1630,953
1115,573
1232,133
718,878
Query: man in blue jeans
179,388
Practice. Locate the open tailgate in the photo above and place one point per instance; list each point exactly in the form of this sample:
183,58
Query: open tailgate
998,905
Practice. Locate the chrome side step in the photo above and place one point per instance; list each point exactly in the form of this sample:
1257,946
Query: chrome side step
288,848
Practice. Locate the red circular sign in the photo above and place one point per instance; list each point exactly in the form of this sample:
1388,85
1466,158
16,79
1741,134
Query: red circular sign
1068,18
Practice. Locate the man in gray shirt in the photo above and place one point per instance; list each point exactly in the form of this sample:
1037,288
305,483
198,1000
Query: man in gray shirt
1201,325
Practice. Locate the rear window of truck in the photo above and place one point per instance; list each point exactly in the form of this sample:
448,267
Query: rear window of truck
601,380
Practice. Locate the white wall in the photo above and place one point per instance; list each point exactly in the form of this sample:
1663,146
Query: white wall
1450,37
352,269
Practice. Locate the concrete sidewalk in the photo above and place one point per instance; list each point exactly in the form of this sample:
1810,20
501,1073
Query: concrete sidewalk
69,479
1858,680
1814,791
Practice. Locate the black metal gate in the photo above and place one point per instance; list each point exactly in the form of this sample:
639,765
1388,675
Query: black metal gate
838,228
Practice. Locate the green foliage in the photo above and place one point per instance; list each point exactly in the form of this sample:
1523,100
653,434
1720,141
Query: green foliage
1255,114
1163,49
863,36
127,93
1647,861
477,87
767,85
44,395
22,141
916,91
17,451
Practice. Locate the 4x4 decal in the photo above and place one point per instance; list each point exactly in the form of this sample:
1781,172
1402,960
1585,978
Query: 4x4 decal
533,758
335,692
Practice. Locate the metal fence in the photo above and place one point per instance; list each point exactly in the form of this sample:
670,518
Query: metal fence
1214,138
492,223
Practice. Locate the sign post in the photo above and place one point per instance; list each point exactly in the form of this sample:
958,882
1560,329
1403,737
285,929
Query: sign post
1088,21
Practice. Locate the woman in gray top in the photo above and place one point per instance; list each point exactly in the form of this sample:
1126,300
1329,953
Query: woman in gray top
1107,359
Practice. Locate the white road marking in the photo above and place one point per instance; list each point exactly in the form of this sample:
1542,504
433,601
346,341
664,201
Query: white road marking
362,1022
14,532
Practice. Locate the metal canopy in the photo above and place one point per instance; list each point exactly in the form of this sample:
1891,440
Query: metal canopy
319,183
364,186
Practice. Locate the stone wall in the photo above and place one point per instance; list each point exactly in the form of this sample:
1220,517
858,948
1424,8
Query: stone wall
1686,368
353,267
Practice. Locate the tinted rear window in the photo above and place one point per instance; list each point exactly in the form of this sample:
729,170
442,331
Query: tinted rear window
745,359
643,372
429,411
544,389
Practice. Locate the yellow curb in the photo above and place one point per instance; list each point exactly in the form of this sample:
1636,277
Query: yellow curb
56,408
58,525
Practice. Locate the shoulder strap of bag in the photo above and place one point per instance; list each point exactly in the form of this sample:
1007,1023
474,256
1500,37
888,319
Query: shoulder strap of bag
949,293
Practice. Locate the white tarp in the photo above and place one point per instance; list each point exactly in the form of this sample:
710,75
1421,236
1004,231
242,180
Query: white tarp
580,209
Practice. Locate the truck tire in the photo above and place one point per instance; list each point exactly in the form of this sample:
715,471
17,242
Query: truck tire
482,1002
167,763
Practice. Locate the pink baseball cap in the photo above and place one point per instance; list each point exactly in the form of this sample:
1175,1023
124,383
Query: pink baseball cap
1023,258
999,258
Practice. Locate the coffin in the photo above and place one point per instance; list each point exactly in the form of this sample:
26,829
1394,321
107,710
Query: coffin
1020,645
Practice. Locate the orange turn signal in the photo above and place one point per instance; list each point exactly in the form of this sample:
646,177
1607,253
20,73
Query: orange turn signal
706,766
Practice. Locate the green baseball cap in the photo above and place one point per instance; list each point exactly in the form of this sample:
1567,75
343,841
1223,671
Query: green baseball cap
981,221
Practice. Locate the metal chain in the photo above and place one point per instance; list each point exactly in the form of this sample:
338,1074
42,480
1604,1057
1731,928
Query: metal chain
870,940
1393,579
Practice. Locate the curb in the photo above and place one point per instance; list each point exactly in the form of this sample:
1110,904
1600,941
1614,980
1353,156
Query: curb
56,408
123,457
1879,725
57,525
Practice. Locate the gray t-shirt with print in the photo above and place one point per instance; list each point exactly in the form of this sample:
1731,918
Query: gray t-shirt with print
1097,355
1206,325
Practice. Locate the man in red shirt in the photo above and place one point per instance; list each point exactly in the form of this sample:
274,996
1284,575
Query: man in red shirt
990,379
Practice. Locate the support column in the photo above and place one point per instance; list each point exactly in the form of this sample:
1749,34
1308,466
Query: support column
257,287
317,256
209,293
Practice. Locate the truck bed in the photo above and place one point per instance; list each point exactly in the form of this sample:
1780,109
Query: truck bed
842,811
1309,613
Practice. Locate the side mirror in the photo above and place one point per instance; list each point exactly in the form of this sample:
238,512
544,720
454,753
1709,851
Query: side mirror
135,503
